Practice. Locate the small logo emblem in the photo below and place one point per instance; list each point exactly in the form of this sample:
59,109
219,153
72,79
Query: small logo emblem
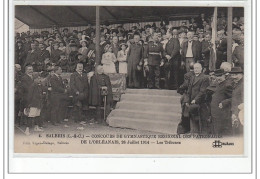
217,144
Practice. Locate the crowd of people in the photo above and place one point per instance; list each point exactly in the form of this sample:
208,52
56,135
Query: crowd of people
174,58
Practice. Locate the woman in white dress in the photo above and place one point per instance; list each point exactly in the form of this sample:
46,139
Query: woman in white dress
121,57
108,60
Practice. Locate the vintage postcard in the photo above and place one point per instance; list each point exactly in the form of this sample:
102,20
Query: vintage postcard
130,79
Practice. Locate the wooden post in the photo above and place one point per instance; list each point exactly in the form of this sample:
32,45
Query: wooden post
98,57
229,34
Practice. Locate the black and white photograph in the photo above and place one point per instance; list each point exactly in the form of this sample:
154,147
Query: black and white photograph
129,79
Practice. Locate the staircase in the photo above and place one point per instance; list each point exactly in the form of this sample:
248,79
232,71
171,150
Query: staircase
147,109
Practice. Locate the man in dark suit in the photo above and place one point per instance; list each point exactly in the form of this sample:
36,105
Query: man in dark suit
196,98
79,88
26,84
221,105
58,92
33,56
221,49
237,99
172,54
206,48
191,51
44,56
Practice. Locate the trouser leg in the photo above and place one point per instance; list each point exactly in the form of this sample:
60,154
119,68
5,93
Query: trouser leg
151,77
157,76
174,74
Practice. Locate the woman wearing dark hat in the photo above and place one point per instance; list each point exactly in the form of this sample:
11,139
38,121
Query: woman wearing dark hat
121,57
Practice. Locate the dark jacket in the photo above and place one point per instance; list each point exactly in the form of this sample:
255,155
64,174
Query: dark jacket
55,56
196,50
238,56
57,85
237,96
36,96
206,52
26,84
32,57
95,98
153,59
197,88
172,48
79,84
222,94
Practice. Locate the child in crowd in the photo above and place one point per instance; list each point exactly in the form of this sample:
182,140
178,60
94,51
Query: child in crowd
121,57
108,60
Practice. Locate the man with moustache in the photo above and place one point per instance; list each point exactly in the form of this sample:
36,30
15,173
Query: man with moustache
191,51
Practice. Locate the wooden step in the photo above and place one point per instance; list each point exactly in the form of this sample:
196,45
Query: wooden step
150,98
152,92
151,115
167,127
144,106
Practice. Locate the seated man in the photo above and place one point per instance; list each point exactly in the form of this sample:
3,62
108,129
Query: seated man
100,83
196,98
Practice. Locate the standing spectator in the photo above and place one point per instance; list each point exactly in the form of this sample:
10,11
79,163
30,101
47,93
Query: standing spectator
238,54
172,55
115,49
191,51
58,92
134,58
237,98
20,53
221,49
108,60
44,56
206,51
27,44
79,88
121,58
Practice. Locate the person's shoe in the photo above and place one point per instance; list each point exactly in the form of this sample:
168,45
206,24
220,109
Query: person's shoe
82,122
66,120
27,132
55,124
